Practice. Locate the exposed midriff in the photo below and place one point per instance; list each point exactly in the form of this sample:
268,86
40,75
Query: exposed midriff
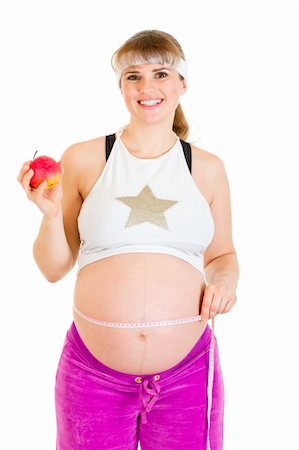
139,287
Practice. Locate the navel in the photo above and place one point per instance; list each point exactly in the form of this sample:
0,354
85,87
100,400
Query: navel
142,336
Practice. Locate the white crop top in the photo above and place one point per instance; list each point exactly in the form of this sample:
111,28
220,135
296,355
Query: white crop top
145,206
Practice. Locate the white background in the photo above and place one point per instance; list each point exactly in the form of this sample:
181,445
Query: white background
57,89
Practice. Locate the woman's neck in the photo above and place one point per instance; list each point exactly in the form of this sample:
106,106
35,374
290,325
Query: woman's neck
148,141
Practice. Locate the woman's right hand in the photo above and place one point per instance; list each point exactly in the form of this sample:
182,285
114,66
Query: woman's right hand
47,200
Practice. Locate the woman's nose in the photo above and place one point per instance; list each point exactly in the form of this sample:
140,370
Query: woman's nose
146,85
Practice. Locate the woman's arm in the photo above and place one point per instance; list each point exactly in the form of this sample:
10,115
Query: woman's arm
51,249
221,264
57,244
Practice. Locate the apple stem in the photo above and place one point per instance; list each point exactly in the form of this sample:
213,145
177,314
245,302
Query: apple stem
35,154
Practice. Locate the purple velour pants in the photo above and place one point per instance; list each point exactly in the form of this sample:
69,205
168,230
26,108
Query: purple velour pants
99,408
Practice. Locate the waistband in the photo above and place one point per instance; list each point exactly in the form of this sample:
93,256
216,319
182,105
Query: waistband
161,323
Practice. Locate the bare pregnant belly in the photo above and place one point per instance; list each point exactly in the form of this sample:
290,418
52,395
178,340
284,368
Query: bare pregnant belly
139,287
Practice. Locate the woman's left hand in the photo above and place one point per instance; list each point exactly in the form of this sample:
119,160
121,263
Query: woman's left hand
217,299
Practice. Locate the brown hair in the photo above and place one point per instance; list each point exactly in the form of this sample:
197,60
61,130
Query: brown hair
153,46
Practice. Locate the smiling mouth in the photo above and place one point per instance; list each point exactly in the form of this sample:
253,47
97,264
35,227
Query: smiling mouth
151,102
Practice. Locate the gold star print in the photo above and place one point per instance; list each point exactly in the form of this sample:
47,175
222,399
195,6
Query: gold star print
146,208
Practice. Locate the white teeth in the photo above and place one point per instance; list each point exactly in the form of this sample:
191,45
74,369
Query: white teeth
150,102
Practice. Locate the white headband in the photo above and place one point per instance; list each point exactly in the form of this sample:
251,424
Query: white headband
181,67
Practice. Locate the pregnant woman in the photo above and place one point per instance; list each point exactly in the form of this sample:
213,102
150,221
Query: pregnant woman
147,218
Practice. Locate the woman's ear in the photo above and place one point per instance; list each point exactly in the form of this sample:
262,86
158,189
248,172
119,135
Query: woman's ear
183,86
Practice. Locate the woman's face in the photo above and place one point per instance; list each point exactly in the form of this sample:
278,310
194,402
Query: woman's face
152,91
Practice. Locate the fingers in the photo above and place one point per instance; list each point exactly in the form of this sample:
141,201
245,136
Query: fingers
229,305
212,302
206,303
24,177
216,300
24,169
38,193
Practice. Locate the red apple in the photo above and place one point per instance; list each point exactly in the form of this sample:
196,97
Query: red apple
45,168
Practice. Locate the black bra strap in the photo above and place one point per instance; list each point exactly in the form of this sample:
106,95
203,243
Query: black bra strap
110,139
187,152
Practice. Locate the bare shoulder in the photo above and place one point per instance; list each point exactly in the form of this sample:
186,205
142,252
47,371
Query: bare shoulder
206,160
207,171
81,153
83,163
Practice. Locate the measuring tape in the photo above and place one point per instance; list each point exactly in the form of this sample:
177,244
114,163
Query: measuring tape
210,383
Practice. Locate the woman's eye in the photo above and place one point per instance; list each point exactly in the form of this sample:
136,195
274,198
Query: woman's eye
137,77
132,77
162,74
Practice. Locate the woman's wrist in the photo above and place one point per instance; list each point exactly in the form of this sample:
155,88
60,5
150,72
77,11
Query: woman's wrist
53,215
